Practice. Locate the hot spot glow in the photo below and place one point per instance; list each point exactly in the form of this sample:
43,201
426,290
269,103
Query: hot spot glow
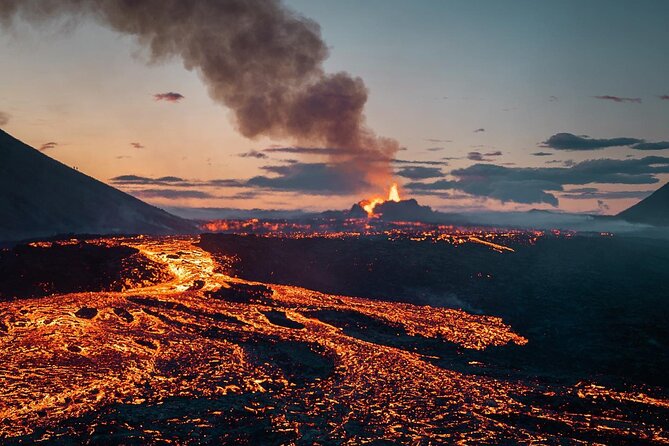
393,194
369,204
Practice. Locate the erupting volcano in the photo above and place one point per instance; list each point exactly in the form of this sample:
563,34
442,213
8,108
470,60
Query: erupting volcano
370,204
393,209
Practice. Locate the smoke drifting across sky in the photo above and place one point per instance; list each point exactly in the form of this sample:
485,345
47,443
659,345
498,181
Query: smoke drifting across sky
260,59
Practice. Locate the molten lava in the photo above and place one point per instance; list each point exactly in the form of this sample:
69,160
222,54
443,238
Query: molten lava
393,194
369,204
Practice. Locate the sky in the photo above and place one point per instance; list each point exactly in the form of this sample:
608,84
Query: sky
511,105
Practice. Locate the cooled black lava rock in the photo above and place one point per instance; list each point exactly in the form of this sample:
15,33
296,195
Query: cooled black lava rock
243,293
30,270
279,318
124,314
86,313
197,284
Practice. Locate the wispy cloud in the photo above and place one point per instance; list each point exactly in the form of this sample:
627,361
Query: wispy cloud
438,140
424,162
660,145
664,97
172,194
419,172
312,150
253,154
4,118
47,146
479,130
311,178
590,193
569,141
169,96
618,99
541,153
137,145
140,180
478,156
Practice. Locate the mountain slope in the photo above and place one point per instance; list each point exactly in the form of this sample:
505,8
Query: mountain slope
653,209
40,197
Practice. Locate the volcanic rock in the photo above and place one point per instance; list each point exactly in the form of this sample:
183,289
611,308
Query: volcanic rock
405,210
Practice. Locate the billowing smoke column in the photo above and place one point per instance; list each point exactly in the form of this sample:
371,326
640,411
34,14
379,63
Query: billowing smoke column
260,59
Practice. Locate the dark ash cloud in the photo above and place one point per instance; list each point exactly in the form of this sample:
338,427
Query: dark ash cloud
419,172
253,154
541,154
169,97
260,59
569,141
4,118
538,185
664,97
47,146
618,99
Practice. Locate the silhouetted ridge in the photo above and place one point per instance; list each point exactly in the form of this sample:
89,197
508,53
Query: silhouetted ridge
41,197
653,209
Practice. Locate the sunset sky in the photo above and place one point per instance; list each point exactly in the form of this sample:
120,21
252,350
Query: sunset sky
497,105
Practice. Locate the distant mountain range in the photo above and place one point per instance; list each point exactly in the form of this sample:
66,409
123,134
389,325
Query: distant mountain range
41,197
653,210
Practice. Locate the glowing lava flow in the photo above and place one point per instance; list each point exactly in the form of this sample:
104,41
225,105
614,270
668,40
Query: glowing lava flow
181,363
370,204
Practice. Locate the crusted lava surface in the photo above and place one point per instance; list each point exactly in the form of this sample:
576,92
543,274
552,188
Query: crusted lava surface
592,306
45,268
205,358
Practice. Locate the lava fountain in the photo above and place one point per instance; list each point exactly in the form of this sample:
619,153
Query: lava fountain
369,204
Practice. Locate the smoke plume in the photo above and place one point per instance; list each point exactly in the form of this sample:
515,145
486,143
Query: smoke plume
258,58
